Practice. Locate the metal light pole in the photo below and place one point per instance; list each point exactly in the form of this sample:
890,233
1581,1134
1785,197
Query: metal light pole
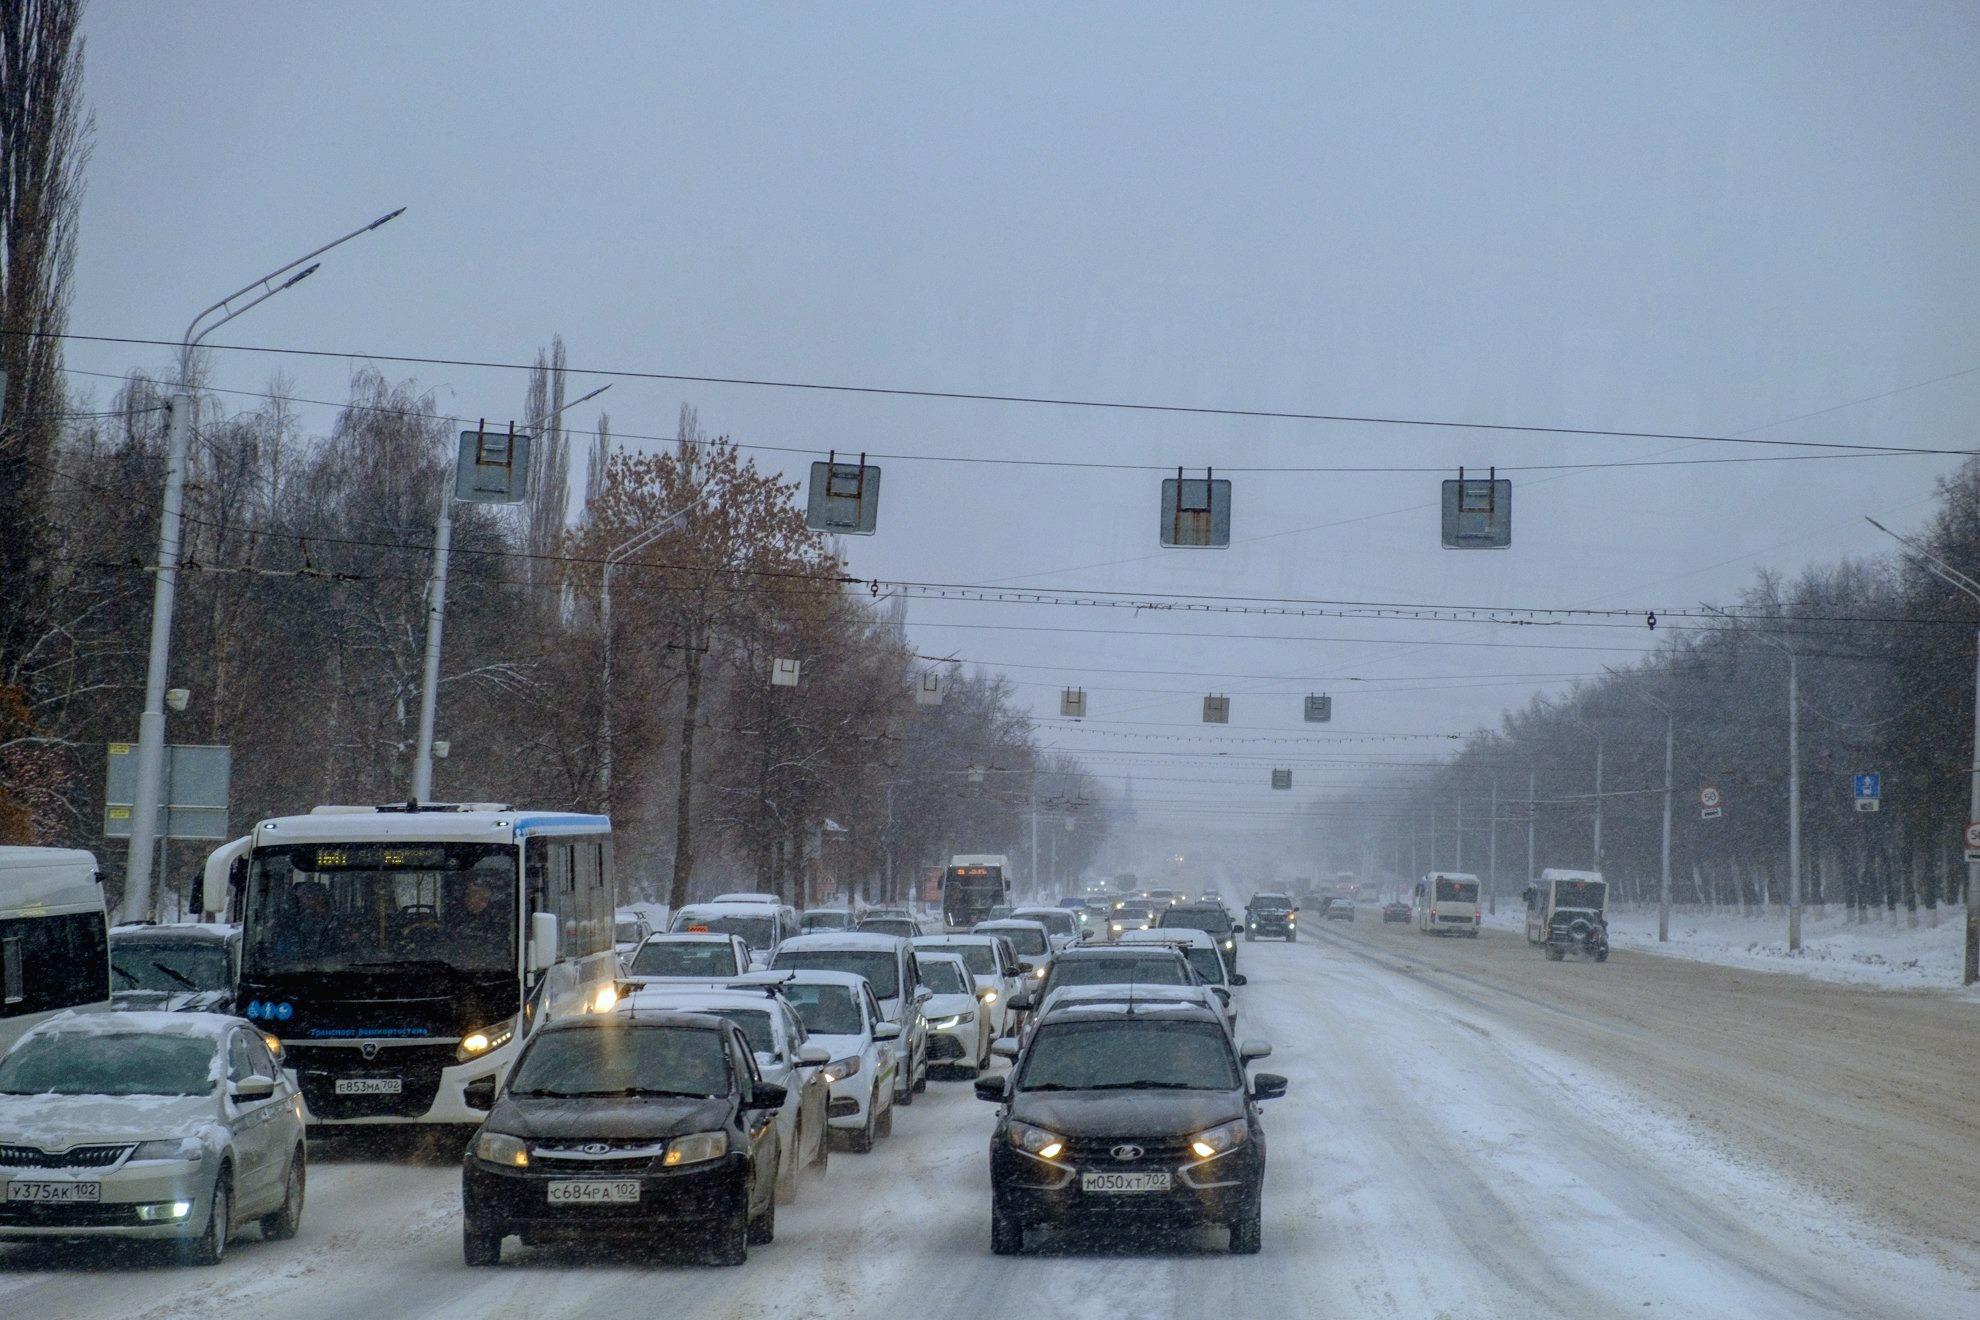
1458,830
1952,577
165,578
1794,782
436,616
1492,851
1532,813
631,545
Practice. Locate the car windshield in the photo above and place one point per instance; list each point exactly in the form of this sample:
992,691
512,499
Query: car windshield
900,927
626,932
879,966
1579,894
1273,904
944,978
758,932
321,907
981,959
1208,965
713,958
1059,923
1132,912
1162,968
1456,891
1029,941
755,1024
1214,920
824,921
1116,1054
826,1010
623,1058
173,965
104,1063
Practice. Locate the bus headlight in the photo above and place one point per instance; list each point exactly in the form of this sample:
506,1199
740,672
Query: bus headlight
477,1043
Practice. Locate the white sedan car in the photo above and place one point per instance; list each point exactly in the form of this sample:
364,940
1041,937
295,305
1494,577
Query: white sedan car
155,1126
683,957
994,965
843,1018
784,1056
958,1021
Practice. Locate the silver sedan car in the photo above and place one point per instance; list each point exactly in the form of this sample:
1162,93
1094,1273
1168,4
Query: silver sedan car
154,1126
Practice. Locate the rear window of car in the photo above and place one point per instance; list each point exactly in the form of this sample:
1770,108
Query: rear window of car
1163,970
1457,891
685,958
1026,941
1206,919
981,959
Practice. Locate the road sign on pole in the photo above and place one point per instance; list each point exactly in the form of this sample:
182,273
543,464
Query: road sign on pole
1973,842
1868,788
1709,807
194,791
1282,779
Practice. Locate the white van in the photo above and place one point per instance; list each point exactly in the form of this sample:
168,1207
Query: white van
762,926
1563,890
54,937
1447,904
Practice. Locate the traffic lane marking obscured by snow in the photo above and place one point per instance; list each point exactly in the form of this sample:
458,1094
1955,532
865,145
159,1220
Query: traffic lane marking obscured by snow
1863,1095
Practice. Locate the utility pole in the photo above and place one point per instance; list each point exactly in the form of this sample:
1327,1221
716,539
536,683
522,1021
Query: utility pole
1596,865
1664,877
165,578
1952,577
1532,811
1459,832
1794,803
1492,852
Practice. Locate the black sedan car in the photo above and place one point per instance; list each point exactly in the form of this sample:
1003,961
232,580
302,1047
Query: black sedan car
1270,916
1397,910
1133,1113
643,1127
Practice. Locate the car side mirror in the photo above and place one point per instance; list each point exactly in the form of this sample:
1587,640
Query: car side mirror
1004,1049
1021,1003
252,1088
1253,1050
922,994
886,1031
1237,978
542,941
1026,969
992,1089
1267,1086
1221,993
813,1056
766,1095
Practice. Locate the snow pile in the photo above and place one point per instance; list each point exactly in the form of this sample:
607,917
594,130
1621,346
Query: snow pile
1833,947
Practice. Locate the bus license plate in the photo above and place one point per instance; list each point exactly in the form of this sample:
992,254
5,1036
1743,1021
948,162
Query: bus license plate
1155,1180
595,1191
369,1085
58,1193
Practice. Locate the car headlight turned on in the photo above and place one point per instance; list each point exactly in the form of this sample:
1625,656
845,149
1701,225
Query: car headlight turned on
987,996
501,1148
173,1148
1220,1139
1230,944
949,1023
840,1069
605,999
485,1039
163,1211
1036,1141
695,1148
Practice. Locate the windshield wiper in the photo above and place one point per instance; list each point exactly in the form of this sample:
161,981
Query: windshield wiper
1144,1085
120,970
651,1090
187,982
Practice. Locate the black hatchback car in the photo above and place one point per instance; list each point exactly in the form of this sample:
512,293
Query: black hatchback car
1131,1113
1270,916
616,1125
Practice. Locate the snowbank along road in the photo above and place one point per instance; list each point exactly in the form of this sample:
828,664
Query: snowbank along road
1471,1132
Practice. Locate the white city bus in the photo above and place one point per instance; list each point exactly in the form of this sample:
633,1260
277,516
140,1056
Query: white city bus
1447,903
402,954
54,937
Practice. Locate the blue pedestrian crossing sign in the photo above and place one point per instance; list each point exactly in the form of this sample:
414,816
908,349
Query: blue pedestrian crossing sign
1868,787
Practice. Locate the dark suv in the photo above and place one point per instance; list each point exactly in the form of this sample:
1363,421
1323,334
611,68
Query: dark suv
1132,1112
644,1127
1270,915
1212,920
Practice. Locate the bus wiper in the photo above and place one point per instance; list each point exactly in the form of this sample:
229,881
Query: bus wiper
185,981
120,970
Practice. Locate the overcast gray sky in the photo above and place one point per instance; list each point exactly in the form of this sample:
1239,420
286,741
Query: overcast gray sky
1662,217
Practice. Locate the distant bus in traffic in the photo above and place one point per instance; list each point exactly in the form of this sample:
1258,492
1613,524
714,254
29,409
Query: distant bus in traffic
54,937
403,955
972,885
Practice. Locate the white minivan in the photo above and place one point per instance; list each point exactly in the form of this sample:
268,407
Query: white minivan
54,937
1447,904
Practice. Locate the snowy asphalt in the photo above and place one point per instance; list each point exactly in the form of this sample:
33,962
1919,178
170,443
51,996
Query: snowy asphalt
1442,1152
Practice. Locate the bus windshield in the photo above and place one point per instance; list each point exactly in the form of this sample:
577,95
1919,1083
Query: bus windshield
321,907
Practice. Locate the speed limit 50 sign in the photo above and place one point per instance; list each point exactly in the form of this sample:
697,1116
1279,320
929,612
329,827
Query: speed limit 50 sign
1973,841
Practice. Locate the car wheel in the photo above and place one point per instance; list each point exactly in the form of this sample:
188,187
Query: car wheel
1249,937
731,1242
824,1151
788,1178
480,1245
905,1095
1248,1230
860,1140
1603,956
210,1247
284,1223
921,1082
883,1125
763,1228
1006,1233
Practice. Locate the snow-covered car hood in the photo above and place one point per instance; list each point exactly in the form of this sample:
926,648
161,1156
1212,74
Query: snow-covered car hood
942,1006
1127,1113
57,1122
838,1047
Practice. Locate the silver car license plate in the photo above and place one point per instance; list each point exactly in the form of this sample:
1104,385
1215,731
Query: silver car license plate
1151,1180
595,1191
369,1085
55,1193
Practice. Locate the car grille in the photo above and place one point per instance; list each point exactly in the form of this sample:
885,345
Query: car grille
416,1066
79,1157
17,1214
1090,1151
943,1048
622,1159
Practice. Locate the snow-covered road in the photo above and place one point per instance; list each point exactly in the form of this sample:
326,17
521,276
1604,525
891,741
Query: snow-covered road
1431,1159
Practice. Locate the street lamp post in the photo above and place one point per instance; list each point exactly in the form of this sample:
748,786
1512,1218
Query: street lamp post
631,545
1952,577
165,579
1794,782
